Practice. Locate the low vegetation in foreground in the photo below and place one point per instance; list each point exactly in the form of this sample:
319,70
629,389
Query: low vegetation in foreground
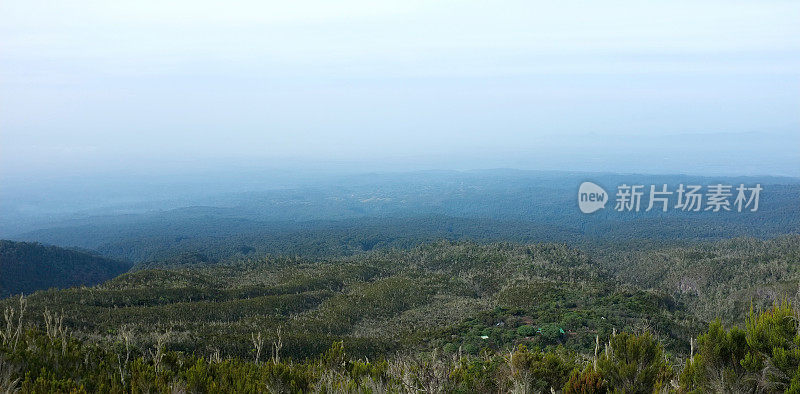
762,357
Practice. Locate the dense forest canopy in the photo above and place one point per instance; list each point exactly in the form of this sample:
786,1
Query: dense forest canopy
360,213
26,267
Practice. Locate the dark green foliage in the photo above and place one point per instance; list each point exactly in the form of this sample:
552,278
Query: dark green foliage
475,375
718,362
539,371
765,357
634,364
26,267
526,331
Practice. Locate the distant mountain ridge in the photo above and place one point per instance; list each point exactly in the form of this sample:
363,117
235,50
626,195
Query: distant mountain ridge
29,266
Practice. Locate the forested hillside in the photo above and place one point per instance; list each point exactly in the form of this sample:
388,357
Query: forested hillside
446,295
26,267
404,210
715,280
447,316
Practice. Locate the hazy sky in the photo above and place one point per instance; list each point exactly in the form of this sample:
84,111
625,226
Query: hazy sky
666,86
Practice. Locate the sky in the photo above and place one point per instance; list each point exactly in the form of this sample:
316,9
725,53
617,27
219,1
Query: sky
153,86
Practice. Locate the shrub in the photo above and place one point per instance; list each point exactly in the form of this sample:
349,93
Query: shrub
634,364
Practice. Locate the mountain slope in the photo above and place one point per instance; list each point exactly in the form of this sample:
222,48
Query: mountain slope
402,211
715,280
442,295
26,267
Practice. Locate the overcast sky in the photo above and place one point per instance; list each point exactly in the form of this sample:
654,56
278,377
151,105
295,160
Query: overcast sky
668,86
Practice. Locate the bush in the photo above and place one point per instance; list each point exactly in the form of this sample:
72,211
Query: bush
526,331
541,370
588,381
634,364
